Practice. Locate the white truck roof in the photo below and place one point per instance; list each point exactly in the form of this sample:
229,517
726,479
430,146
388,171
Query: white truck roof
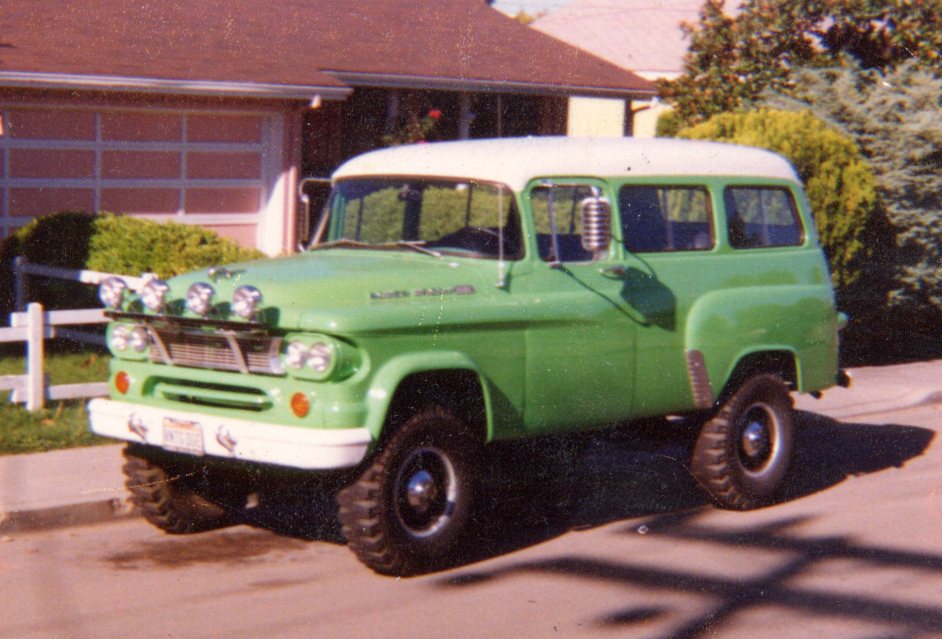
516,161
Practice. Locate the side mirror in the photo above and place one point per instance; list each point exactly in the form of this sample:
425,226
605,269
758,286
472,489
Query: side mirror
596,224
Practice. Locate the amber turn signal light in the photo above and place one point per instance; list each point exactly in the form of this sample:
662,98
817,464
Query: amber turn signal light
300,404
122,381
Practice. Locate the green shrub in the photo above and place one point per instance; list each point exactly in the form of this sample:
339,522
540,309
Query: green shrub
840,185
110,243
134,246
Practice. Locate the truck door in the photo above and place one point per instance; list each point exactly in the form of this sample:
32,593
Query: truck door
580,335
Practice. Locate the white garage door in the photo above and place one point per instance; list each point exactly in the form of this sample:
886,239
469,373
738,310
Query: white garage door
203,167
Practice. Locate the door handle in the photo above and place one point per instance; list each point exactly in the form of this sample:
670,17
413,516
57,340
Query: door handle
613,272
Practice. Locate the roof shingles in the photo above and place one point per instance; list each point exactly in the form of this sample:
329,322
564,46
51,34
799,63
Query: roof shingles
294,42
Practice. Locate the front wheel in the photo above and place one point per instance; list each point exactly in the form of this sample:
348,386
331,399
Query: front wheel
408,509
165,498
743,452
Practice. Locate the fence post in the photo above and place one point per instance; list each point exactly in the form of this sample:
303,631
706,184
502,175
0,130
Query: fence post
36,379
19,283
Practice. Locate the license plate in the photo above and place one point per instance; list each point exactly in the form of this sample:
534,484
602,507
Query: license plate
184,437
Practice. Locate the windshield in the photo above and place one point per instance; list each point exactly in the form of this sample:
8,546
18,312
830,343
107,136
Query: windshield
471,219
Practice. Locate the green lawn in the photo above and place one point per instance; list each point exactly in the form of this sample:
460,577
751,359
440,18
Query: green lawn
63,424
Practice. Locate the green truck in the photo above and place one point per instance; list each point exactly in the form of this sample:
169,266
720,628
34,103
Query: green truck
464,293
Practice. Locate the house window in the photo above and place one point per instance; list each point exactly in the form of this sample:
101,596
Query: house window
658,219
762,217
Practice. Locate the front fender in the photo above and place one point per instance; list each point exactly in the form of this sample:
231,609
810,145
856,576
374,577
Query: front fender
391,374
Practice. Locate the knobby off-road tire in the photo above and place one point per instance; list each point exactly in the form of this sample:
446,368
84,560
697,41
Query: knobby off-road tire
166,501
744,451
408,510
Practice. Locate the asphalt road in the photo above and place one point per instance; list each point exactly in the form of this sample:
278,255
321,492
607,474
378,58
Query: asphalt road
854,549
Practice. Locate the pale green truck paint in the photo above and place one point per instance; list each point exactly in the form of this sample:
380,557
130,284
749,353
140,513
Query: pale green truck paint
581,345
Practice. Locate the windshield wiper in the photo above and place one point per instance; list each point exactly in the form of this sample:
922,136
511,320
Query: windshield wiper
417,245
341,243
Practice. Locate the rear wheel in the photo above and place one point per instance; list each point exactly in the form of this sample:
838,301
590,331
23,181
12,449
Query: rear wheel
166,499
743,452
408,509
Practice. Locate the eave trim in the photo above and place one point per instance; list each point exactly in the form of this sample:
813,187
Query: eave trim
396,81
19,79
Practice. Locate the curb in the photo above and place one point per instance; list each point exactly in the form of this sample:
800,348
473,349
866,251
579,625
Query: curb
84,514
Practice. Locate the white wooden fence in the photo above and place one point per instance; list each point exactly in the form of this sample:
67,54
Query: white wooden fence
36,325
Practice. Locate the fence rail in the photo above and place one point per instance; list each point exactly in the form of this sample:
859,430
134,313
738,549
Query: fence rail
33,325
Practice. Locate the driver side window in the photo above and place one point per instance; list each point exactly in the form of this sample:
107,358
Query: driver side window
559,206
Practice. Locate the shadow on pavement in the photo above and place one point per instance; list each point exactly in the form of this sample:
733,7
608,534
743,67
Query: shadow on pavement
639,472
534,491
622,483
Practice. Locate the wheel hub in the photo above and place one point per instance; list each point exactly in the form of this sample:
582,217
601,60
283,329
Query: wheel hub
421,491
426,488
757,436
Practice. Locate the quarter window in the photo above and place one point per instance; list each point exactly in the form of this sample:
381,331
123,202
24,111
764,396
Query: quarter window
762,217
665,218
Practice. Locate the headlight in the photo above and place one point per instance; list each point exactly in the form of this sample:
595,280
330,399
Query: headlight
199,298
319,357
245,301
139,339
296,355
111,292
120,337
154,295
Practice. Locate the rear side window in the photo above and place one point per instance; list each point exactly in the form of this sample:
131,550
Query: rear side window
665,218
762,217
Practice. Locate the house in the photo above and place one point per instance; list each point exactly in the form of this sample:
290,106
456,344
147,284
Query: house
212,113
642,35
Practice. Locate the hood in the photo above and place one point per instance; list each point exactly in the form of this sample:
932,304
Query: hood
316,290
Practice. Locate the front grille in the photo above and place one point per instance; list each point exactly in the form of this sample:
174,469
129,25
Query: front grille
221,350
216,395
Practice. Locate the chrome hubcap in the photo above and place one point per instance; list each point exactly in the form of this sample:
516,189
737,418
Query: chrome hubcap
421,491
757,436
426,490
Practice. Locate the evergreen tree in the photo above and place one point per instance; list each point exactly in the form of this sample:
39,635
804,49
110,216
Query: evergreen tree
895,120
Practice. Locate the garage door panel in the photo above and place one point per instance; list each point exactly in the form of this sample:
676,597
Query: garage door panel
245,129
230,166
140,165
222,200
40,201
138,200
141,127
58,124
52,163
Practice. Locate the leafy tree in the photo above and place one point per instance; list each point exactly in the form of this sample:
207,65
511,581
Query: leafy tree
895,119
839,184
732,60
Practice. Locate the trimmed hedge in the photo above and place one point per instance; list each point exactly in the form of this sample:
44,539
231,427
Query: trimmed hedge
111,243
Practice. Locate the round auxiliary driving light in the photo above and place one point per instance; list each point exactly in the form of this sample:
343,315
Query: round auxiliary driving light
245,301
199,298
154,295
111,292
